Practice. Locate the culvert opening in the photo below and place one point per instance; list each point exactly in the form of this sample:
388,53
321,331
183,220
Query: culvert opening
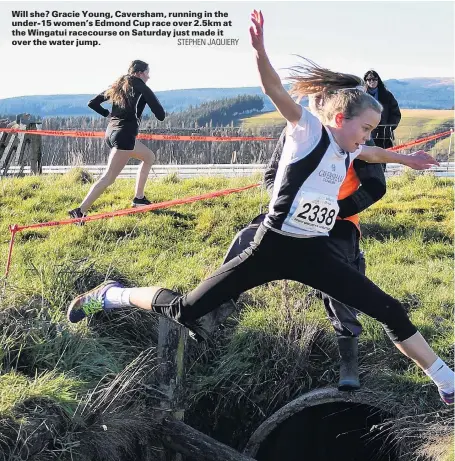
338,431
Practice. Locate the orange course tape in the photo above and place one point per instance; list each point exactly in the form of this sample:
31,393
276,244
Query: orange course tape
155,137
15,228
421,140
167,137
155,206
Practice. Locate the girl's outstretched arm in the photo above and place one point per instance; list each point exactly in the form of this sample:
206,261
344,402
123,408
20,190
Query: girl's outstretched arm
419,160
270,81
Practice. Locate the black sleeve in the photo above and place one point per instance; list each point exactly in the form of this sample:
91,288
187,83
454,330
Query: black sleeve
272,167
152,101
372,189
95,104
394,112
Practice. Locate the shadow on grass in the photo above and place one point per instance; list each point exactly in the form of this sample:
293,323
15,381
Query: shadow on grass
34,427
30,235
174,214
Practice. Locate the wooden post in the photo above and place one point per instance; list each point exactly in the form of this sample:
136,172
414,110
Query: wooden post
172,342
175,434
36,150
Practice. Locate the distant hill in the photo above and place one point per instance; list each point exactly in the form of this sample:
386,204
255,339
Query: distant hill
411,93
423,93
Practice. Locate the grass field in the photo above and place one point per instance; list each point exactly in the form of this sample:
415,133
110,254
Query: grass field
277,347
415,123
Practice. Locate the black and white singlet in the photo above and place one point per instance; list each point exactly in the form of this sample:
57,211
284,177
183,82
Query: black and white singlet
310,172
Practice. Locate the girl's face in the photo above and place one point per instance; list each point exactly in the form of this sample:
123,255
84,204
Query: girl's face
351,133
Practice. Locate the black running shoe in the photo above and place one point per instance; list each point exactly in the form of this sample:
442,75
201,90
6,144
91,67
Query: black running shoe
197,332
141,202
77,213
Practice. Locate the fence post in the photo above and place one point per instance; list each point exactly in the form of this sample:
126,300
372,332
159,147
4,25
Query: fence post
172,343
36,149
450,148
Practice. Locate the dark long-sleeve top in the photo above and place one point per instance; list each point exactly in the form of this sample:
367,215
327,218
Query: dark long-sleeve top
371,176
390,115
131,114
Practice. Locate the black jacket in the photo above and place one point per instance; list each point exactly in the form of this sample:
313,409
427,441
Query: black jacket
391,116
131,114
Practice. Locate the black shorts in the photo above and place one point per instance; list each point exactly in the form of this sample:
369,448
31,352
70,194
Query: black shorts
121,138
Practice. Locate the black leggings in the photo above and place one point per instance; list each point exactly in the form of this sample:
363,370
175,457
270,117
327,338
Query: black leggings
276,257
344,244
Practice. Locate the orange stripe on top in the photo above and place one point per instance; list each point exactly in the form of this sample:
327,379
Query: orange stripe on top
350,184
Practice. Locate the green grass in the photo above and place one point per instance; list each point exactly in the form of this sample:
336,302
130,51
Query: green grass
15,389
279,346
255,122
419,122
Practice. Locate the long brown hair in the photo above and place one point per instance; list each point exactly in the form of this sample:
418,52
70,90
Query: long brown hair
119,90
331,92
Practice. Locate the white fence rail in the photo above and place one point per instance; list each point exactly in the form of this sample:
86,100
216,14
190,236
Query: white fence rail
446,169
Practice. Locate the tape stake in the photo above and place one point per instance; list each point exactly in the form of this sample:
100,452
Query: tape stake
13,229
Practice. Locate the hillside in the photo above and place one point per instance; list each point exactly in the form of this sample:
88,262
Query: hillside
82,392
429,93
415,123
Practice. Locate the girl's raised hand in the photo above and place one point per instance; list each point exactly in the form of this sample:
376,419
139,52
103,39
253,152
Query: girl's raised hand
256,31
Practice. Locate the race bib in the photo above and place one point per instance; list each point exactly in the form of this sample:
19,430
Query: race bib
316,212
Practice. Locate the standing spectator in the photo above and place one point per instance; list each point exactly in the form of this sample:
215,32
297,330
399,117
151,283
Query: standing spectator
390,118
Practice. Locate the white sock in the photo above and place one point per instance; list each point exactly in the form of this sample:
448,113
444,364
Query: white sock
116,297
441,375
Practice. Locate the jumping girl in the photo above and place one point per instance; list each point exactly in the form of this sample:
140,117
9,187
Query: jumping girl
292,242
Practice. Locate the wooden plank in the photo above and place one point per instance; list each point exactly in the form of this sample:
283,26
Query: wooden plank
19,154
184,439
8,154
3,138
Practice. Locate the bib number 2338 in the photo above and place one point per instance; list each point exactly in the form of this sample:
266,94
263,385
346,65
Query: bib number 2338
316,212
